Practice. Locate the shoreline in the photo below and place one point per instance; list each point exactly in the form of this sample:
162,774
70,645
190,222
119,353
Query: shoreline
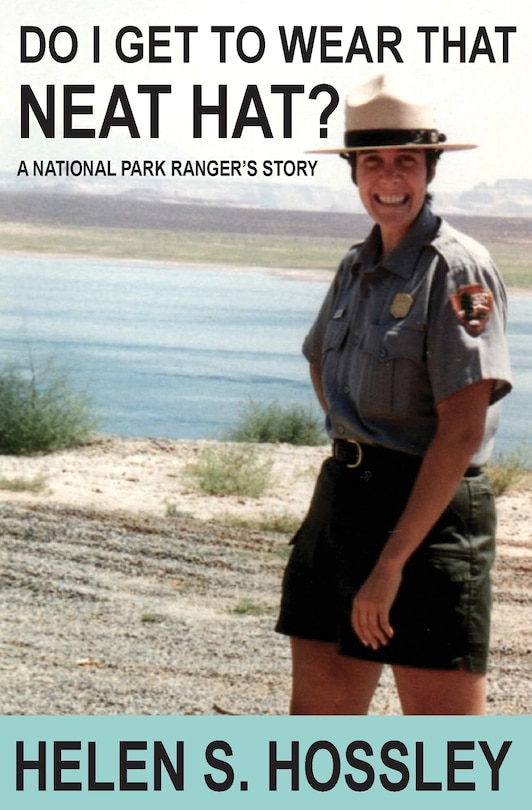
294,273
288,272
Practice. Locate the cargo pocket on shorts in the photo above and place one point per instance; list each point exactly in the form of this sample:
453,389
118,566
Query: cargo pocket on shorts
430,615
438,585
315,527
304,544
452,582
457,569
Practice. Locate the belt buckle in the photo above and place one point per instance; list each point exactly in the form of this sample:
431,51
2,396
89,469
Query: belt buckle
358,446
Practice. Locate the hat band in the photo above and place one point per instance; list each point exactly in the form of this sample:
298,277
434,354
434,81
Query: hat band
391,137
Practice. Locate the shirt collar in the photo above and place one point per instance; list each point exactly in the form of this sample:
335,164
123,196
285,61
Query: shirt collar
402,259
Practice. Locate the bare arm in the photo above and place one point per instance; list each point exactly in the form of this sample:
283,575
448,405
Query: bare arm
461,419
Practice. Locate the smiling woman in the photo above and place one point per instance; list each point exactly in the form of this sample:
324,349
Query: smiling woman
392,186
409,362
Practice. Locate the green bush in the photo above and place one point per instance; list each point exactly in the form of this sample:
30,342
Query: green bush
40,411
230,470
276,423
286,523
20,484
247,607
509,471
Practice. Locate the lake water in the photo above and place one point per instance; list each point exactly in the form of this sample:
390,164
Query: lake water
176,351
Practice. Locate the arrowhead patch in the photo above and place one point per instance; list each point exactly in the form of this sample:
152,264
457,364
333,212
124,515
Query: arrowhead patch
473,305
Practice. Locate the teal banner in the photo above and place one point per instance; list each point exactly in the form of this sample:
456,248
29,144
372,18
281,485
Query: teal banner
263,762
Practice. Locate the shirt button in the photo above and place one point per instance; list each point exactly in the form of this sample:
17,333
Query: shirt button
346,389
341,429
383,353
356,340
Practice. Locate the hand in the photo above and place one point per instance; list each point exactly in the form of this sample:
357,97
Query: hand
371,606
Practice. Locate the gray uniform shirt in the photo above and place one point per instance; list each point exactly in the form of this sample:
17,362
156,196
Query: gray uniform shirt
396,337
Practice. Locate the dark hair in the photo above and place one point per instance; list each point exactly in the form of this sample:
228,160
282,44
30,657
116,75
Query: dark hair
432,157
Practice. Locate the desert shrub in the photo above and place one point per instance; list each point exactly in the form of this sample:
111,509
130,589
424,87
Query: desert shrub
285,523
247,607
230,470
20,484
40,411
277,423
509,470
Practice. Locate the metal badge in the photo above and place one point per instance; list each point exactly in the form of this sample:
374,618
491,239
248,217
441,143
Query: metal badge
401,305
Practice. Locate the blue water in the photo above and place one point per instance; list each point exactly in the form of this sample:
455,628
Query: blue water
176,351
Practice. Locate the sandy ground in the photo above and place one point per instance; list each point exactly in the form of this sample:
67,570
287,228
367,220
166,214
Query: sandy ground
126,591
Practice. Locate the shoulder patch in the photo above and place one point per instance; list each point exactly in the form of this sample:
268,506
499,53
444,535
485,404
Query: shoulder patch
473,305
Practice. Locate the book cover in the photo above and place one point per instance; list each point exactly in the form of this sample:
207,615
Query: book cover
111,108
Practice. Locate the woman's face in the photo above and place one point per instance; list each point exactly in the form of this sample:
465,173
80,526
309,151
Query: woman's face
392,184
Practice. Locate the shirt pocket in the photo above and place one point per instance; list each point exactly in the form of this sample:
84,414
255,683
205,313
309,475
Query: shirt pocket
392,372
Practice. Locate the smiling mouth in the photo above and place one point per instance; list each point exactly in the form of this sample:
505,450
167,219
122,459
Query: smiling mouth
391,199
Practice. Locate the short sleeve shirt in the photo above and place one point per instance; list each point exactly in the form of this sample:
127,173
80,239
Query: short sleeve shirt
395,337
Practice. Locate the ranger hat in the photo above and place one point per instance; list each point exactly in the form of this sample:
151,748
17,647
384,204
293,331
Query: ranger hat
380,115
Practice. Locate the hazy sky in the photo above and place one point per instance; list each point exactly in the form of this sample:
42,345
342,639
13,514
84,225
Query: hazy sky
476,100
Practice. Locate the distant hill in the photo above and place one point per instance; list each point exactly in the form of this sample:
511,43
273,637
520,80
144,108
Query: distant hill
508,197
127,211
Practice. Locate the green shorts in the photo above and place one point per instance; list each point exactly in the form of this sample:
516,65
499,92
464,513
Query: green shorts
441,616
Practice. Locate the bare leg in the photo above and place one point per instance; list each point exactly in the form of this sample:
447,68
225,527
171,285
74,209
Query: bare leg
324,682
436,691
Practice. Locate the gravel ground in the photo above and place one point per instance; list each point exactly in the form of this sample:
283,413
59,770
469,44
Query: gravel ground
111,615
108,614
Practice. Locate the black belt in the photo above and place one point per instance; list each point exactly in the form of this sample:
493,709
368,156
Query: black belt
353,454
